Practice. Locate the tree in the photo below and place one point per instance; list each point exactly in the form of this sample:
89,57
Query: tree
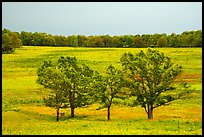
98,42
70,81
80,78
16,42
198,39
138,42
107,40
174,41
7,46
151,78
162,42
10,41
52,78
26,38
48,40
153,39
82,40
116,41
128,41
60,40
109,87
145,38
72,41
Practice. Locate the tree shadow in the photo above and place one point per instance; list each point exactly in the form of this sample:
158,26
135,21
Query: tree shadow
76,117
49,117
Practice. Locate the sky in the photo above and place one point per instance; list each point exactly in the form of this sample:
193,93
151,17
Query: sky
102,18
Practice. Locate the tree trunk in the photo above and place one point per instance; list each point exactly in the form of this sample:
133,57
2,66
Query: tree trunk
108,112
57,114
150,112
71,100
72,111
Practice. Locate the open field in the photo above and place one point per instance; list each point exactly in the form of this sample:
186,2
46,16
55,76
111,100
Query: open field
24,113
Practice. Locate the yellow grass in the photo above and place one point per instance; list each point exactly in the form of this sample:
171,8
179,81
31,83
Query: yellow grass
19,116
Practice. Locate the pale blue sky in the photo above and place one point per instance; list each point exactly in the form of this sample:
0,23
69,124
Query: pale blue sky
100,18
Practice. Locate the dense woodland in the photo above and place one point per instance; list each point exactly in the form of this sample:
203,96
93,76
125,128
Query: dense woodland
12,40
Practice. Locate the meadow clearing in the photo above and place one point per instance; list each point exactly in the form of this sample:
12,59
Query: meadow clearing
23,111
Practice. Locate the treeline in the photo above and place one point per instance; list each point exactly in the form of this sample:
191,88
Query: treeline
185,39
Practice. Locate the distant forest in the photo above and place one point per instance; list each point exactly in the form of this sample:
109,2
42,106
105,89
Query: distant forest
185,39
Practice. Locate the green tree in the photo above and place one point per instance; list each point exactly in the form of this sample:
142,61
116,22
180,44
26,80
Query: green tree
109,87
16,42
174,40
138,42
145,38
7,46
162,42
107,40
7,31
151,77
153,39
48,40
38,38
198,39
79,79
26,38
52,78
10,41
72,41
82,41
60,40
128,41
69,81
99,41
116,41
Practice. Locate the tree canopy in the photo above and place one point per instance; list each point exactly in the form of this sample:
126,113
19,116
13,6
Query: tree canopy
185,39
10,41
69,83
151,77
109,87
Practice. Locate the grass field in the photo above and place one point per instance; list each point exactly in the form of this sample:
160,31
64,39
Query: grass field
24,113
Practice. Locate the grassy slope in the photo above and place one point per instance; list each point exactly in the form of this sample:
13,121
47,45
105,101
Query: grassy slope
23,112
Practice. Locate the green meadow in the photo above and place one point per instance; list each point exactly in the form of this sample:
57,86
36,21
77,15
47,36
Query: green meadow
23,111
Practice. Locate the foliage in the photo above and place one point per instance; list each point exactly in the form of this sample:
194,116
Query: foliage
10,41
162,42
185,39
150,76
110,87
52,78
69,81
7,44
